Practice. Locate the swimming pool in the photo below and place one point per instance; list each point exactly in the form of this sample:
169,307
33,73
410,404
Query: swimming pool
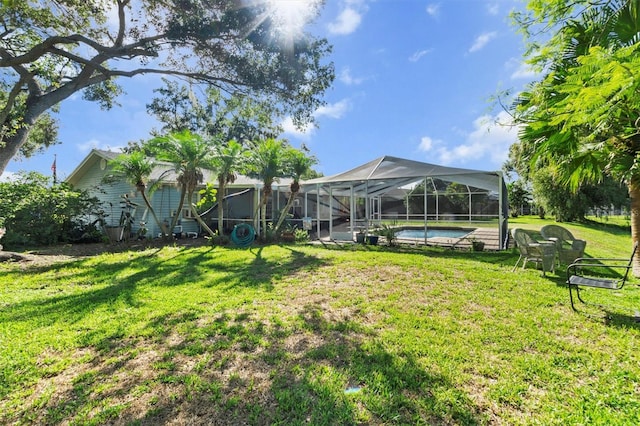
431,233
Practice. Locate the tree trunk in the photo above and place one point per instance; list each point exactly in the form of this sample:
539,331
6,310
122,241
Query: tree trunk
263,213
12,146
285,210
634,193
13,143
174,220
197,216
152,211
36,106
221,185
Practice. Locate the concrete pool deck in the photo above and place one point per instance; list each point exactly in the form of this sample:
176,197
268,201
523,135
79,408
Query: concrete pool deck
489,236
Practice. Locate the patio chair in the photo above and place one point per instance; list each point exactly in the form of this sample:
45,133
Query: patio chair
568,248
539,252
598,273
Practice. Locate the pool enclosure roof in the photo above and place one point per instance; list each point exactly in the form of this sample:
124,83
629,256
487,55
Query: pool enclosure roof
387,173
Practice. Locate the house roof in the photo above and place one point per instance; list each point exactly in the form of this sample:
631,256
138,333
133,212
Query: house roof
90,161
387,173
162,168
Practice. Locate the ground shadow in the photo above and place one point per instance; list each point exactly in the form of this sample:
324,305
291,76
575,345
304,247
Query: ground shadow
237,369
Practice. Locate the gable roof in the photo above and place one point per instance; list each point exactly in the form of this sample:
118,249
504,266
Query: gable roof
90,161
161,168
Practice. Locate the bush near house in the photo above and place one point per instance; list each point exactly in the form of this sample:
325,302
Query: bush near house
35,212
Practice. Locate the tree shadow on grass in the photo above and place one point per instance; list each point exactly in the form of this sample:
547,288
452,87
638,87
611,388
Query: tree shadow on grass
379,384
506,258
261,271
108,281
321,368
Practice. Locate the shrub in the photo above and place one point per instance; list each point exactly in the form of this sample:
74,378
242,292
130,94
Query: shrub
38,213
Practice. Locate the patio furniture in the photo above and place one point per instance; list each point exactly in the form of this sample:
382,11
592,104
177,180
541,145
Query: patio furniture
568,248
539,252
597,273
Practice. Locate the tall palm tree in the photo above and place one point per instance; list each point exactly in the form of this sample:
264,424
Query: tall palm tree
189,153
226,159
266,161
298,164
136,169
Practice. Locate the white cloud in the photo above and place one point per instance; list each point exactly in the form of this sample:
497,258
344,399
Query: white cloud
488,143
346,77
524,71
347,22
96,144
290,129
419,54
433,9
482,40
335,111
493,8
427,144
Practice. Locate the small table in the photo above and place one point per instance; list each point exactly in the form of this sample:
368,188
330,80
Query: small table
548,255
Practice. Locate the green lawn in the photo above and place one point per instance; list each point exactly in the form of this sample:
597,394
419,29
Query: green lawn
302,334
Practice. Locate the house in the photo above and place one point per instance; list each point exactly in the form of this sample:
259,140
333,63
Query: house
121,200
366,195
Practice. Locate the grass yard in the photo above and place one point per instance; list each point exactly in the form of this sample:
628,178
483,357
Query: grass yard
302,334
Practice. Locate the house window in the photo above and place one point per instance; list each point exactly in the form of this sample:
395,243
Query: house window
187,214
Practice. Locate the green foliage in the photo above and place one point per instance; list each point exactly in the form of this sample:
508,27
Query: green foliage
267,162
38,213
208,197
388,231
301,235
190,154
518,195
136,168
54,49
567,205
297,163
458,196
210,113
581,116
227,160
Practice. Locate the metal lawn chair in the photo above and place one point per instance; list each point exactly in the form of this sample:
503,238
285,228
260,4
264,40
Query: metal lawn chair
592,272
568,248
539,252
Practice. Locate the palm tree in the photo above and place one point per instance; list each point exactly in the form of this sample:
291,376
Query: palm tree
298,164
136,169
581,117
189,153
266,162
226,159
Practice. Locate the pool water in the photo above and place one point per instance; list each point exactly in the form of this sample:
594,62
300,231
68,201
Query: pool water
444,233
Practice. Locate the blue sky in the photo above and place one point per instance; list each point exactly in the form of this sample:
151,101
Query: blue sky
414,80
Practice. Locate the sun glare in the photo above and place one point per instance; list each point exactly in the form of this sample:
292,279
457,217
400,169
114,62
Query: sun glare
292,15
288,17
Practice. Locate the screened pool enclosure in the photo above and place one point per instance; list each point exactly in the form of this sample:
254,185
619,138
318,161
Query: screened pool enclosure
393,190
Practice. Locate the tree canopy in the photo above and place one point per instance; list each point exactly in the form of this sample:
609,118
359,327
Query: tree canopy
51,49
583,116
